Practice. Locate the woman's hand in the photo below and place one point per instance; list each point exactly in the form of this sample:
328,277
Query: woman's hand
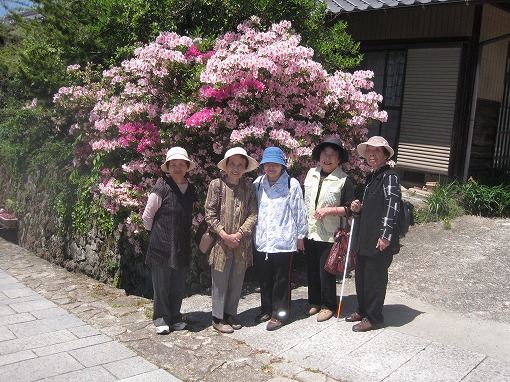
321,212
300,244
382,244
355,206
231,240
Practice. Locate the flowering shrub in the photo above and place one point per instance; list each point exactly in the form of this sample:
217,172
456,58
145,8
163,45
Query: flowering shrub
254,89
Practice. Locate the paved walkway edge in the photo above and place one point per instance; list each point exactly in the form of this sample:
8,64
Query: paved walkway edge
82,324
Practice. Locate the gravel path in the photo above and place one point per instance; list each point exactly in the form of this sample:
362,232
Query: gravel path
465,269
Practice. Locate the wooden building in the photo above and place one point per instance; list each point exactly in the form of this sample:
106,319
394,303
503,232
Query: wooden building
443,68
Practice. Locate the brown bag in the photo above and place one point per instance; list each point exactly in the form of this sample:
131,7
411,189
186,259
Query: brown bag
335,263
205,239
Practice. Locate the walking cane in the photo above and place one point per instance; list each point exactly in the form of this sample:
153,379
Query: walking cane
345,267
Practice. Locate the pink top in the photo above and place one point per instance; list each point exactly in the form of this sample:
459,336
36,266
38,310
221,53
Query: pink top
153,205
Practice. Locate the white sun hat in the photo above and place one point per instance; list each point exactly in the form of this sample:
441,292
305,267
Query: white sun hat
177,153
376,141
252,163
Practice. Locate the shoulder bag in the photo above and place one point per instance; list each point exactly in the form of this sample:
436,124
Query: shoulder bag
335,264
204,237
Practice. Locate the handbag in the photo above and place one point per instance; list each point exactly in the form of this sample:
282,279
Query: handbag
335,263
204,238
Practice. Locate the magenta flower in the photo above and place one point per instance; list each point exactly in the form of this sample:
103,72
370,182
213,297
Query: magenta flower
200,117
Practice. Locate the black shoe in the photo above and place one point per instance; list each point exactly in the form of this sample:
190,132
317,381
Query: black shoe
365,326
263,318
354,317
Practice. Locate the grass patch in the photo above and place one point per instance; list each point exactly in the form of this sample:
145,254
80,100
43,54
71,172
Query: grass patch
488,201
442,205
454,199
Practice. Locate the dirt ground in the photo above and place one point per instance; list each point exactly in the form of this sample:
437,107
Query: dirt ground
465,269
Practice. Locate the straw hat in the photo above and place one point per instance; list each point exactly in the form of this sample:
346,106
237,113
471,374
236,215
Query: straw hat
252,163
316,152
375,141
273,155
177,153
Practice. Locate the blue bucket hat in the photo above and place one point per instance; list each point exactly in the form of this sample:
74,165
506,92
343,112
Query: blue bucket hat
273,155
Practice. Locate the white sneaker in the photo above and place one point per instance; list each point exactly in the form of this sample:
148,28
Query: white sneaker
178,326
163,329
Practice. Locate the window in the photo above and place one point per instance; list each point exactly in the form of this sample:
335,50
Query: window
388,67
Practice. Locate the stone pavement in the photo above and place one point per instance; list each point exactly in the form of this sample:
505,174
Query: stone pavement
41,341
61,326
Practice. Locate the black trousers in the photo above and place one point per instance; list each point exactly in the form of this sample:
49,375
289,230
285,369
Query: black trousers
169,288
371,284
321,284
274,276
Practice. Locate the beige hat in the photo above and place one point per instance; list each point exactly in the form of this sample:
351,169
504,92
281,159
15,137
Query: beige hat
376,141
252,163
177,153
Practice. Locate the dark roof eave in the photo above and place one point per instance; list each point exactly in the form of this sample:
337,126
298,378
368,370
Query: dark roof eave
338,7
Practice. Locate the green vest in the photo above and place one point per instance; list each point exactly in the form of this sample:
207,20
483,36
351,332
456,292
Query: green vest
330,196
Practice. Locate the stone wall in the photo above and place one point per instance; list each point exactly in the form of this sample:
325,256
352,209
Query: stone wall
105,257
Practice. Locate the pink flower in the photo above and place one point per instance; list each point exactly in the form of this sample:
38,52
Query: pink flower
255,88
200,117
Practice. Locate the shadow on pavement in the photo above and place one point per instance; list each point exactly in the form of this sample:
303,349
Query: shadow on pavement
397,315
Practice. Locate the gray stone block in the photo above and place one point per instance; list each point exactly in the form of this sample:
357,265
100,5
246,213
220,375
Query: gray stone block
30,306
39,368
152,376
489,370
7,280
129,367
46,325
50,312
84,331
383,353
6,310
16,318
19,300
102,353
90,374
36,341
74,344
19,292
16,357
5,335
437,362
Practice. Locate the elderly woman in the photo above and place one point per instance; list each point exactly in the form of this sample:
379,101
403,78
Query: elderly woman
168,216
279,233
231,212
328,195
377,236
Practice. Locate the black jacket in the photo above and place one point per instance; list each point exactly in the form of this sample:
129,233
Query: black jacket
170,239
378,213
